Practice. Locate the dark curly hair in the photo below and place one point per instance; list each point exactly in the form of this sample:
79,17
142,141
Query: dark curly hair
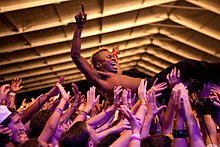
76,136
38,122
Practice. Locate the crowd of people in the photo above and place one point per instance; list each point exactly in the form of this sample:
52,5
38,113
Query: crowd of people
163,111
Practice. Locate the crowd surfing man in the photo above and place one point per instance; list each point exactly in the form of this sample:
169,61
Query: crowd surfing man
106,74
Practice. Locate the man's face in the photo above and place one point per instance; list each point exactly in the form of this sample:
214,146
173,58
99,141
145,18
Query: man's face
62,127
108,61
18,131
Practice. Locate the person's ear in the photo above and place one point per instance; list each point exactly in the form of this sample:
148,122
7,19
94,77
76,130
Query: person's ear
98,65
90,143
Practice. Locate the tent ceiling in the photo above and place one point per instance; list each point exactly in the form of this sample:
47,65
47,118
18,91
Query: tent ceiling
35,35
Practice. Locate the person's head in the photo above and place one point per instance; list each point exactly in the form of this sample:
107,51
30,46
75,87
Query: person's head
38,122
79,134
103,60
10,118
156,141
108,140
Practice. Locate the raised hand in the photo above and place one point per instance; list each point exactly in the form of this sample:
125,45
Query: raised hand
178,104
174,77
55,90
216,89
115,51
77,95
134,121
91,99
131,101
15,85
4,90
151,104
117,90
142,91
81,17
122,125
205,91
157,88
65,95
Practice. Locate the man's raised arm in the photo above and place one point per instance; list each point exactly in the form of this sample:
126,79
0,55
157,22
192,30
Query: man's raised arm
81,62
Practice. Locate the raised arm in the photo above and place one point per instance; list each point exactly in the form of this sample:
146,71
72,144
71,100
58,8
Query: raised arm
54,120
83,65
77,101
192,126
180,132
173,78
40,101
4,90
106,114
91,102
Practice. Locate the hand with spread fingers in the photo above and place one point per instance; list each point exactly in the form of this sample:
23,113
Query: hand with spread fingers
158,88
91,98
152,105
174,77
134,121
117,90
131,100
55,90
215,88
4,90
15,85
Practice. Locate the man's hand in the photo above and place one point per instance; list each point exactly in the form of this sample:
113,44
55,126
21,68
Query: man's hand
81,17
134,121
4,90
142,91
152,108
115,51
215,89
15,85
91,99
55,90
205,91
174,77
158,87
117,90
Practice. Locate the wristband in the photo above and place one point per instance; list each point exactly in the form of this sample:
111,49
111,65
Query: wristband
135,137
142,104
59,110
80,26
106,113
182,133
83,113
12,93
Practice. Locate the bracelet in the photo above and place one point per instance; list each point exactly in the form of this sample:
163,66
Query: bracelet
12,93
135,137
84,113
106,113
80,26
182,133
59,110
142,104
